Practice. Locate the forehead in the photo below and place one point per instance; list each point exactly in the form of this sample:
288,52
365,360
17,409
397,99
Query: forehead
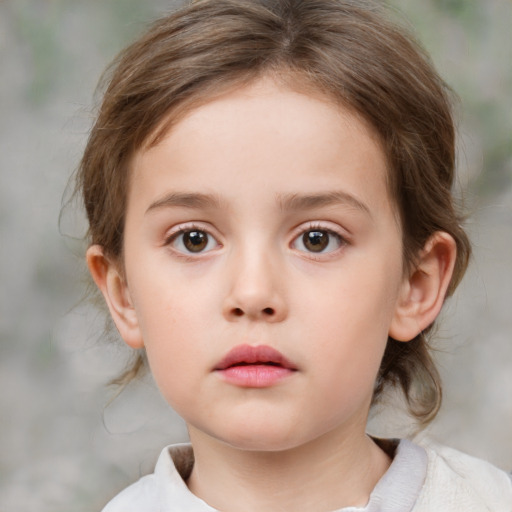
265,130
251,88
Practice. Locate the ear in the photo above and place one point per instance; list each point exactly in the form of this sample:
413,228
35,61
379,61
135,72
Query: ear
114,288
423,291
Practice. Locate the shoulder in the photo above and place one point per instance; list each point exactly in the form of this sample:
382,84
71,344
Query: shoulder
163,490
138,497
456,481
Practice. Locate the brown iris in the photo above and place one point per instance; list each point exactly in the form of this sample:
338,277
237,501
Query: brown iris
315,241
195,241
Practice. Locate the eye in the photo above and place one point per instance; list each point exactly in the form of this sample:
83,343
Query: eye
192,241
318,241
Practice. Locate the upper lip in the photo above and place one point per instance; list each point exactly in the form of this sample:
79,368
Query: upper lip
248,354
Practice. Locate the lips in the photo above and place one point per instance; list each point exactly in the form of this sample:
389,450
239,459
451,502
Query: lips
249,355
254,366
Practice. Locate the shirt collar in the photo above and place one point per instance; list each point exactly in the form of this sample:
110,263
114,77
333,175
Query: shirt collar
396,491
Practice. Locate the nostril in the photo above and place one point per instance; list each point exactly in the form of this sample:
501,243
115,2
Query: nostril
268,312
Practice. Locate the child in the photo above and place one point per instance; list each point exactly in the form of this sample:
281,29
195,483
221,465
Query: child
268,188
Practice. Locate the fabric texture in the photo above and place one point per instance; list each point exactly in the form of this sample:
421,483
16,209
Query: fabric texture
426,478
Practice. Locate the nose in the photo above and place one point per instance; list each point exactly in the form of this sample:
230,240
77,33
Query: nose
256,289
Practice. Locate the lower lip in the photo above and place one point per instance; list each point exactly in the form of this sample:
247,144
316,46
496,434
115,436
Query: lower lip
255,376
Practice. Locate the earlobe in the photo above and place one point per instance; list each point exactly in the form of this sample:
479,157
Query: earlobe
423,292
112,285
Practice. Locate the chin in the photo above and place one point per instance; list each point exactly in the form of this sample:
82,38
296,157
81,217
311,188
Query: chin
262,445
263,439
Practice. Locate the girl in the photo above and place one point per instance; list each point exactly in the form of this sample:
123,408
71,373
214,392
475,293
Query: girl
268,188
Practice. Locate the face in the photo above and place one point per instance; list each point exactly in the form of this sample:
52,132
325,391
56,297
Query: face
263,264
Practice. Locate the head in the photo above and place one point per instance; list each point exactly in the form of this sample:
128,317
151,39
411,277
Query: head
349,54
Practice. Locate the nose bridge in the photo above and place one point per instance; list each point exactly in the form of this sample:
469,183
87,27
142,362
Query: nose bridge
256,288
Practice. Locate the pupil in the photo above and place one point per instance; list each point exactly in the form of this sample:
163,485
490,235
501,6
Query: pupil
315,241
195,241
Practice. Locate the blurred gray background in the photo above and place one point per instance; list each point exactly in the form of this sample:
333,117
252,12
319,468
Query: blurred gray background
63,447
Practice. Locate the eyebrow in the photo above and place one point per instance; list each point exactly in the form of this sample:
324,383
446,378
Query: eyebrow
296,202
186,200
286,202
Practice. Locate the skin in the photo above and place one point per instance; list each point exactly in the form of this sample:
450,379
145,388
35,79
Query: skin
253,171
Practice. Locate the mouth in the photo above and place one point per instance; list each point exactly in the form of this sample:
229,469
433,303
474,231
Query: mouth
247,355
254,366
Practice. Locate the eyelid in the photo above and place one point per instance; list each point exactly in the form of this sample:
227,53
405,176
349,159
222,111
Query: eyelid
326,226
321,225
172,234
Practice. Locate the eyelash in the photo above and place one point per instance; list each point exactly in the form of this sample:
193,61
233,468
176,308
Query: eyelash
297,238
183,230
322,254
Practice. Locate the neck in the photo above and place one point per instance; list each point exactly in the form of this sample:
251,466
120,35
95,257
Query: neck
324,475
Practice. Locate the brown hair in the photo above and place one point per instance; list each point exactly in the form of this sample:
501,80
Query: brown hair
348,50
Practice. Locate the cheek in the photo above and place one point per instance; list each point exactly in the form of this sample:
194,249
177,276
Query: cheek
358,300
175,355
351,320
168,300
163,313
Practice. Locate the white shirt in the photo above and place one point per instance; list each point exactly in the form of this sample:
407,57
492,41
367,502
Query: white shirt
420,479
